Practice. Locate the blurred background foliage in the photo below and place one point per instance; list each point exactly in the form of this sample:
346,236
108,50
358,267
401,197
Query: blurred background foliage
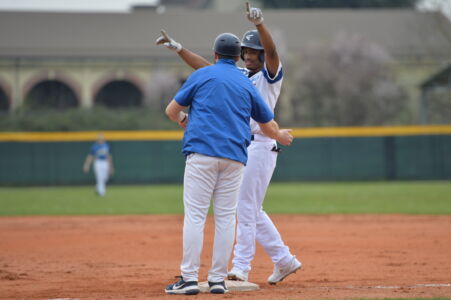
78,119
347,81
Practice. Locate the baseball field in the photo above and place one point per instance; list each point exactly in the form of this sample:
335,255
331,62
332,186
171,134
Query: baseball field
362,240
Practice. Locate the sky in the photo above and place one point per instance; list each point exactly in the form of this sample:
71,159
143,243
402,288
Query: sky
72,5
443,5
124,5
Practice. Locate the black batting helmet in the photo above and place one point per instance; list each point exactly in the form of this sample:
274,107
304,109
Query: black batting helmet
251,39
227,44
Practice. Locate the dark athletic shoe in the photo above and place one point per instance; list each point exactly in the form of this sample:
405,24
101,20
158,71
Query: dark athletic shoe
218,287
183,287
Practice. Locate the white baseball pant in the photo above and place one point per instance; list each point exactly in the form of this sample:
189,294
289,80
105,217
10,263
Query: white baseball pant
209,178
101,169
253,223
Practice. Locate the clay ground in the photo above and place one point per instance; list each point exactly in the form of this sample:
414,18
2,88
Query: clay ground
134,257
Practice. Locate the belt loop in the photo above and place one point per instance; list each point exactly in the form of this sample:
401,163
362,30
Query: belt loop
252,137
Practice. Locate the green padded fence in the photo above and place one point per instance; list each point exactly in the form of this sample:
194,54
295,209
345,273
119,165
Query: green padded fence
366,158
152,158
58,163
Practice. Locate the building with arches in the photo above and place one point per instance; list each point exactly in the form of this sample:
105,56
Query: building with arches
82,59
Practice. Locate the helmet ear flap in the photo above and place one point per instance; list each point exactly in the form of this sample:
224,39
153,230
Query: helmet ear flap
261,56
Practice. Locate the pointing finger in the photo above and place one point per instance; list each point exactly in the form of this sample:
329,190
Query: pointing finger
166,36
160,40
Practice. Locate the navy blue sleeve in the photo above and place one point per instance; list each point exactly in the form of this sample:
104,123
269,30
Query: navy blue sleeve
260,112
276,77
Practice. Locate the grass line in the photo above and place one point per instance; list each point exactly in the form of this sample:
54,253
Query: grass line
423,197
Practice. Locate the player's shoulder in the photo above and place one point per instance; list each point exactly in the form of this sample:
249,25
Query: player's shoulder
205,72
272,78
243,71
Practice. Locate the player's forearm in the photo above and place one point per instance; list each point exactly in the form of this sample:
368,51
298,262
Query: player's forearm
175,113
267,41
270,129
176,117
192,59
88,162
110,163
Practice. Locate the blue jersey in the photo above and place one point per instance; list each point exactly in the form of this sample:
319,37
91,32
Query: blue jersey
100,151
222,100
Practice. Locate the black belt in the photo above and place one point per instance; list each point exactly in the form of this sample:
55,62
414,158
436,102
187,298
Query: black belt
276,149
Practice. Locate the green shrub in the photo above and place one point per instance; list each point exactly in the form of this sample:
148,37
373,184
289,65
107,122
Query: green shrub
78,119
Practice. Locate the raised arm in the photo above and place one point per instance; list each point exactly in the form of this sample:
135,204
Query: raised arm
192,59
272,61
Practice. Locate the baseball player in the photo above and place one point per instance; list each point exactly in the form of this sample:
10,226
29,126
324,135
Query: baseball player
103,163
221,101
264,70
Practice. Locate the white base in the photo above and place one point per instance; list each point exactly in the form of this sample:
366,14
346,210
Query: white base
232,285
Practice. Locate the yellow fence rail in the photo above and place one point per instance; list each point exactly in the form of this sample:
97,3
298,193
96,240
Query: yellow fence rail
168,135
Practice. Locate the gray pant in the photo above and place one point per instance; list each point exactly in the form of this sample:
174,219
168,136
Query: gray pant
209,178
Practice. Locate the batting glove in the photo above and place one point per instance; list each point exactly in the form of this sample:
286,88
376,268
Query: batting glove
169,42
184,121
255,15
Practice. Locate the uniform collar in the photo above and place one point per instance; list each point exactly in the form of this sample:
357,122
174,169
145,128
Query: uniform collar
226,61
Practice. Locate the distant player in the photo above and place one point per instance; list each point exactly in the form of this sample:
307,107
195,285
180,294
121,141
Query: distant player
103,163
264,69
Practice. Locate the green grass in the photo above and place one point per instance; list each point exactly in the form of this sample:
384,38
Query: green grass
422,197
414,197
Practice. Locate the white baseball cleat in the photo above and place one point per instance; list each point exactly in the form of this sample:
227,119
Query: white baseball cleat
237,274
279,274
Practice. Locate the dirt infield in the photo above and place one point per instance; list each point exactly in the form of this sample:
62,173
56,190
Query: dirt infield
134,257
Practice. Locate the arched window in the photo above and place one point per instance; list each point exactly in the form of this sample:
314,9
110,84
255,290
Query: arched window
4,102
119,93
51,94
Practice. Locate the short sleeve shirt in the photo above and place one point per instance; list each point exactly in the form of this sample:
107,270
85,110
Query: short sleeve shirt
268,86
100,151
222,100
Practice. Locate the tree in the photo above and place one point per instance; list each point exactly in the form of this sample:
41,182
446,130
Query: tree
440,106
347,83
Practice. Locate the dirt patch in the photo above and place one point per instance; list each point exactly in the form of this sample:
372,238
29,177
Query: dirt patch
135,257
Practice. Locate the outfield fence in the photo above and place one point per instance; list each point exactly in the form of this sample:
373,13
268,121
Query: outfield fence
317,154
